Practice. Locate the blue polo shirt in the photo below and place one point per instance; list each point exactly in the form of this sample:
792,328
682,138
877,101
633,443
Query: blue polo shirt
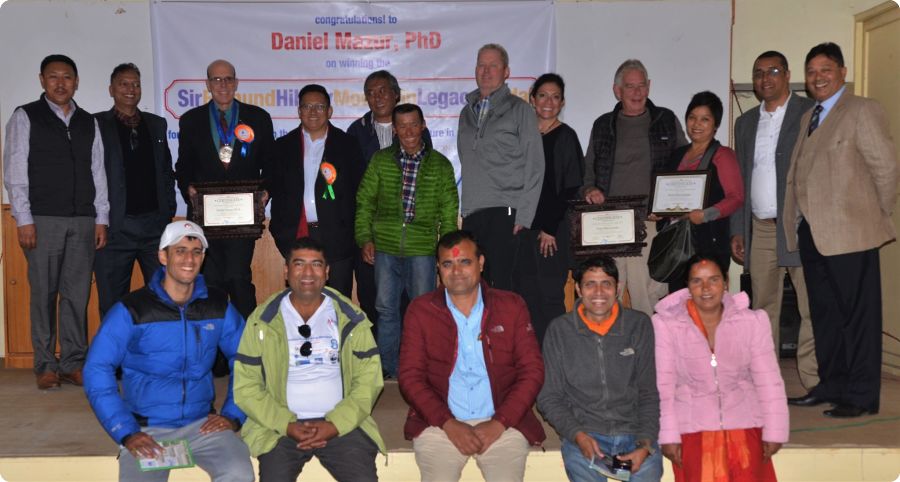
469,396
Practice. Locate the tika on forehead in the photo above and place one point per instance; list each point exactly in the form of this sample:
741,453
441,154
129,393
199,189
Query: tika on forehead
455,251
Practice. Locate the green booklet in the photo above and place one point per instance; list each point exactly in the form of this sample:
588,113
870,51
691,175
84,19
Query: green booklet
176,455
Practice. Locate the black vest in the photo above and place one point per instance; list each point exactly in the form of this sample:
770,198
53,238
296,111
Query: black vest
60,182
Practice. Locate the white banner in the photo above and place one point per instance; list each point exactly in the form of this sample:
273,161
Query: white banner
277,48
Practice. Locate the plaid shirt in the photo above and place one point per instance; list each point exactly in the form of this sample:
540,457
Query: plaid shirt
409,166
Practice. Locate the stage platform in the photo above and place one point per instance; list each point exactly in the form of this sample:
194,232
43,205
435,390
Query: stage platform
53,436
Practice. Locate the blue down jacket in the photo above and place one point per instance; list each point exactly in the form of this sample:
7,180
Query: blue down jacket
166,353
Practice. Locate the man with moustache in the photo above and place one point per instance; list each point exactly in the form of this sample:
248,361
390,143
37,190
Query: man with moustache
626,147
841,192
374,131
141,187
610,406
407,199
764,140
316,170
61,219
470,370
502,159
210,149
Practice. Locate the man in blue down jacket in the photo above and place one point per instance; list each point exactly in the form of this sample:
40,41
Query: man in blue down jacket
164,337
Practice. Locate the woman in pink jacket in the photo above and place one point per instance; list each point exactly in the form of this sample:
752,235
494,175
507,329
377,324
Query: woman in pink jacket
723,410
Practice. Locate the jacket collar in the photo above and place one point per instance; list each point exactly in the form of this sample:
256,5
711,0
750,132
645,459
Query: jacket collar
675,305
353,315
155,285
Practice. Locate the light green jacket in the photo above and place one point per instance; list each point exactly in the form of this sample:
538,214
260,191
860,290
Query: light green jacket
261,367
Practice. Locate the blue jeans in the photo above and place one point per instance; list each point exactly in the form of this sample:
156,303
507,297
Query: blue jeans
577,467
393,274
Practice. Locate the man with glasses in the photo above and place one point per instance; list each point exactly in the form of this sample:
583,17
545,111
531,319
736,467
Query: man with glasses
164,338
626,146
764,140
225,140
316,169
375,131
307,374
141,187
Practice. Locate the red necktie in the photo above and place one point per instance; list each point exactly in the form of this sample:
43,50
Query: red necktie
302,227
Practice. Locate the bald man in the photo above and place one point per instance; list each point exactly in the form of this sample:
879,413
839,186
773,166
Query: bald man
209,150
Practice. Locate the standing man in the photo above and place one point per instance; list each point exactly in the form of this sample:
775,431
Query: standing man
61,218
626,147
211,148
308,375
316,171
764,140
608,406
470,370
406,201
502,159
374,131
841,192
141,187
164,338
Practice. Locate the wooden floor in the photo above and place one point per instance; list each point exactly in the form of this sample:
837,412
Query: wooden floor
37,425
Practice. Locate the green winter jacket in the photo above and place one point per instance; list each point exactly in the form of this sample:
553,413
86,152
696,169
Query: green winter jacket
379,205
261,367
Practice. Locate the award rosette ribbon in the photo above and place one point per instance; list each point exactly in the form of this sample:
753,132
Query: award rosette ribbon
244,133
329,173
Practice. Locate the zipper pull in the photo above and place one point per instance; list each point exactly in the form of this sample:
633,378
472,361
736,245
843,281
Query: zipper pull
712,362
69,134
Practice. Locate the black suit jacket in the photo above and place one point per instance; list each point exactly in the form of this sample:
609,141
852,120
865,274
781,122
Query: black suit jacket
335,216
198,157
115,168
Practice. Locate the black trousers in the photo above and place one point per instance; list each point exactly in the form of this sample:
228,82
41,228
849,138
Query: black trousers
493,228
542,281
227,267
137,239
348,458
845,307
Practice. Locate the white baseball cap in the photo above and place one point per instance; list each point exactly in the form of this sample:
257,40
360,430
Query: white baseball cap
177,230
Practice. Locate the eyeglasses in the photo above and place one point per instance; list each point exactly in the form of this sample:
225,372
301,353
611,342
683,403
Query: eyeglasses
772,72
221,80
313,107
305,331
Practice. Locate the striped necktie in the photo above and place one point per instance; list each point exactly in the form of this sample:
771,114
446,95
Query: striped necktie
814,120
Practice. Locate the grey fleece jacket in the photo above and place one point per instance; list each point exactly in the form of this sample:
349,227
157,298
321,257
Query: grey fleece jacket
604,384
503,161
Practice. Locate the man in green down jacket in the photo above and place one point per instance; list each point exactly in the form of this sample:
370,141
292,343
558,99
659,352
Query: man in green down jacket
307,374
406,201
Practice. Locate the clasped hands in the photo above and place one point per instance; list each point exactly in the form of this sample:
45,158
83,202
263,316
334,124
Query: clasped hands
471,440
313,434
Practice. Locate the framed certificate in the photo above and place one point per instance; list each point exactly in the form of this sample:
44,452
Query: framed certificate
615,227
229,209
677,193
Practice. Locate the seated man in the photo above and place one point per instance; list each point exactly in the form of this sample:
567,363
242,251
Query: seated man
164,337
307,375
470,369
600,382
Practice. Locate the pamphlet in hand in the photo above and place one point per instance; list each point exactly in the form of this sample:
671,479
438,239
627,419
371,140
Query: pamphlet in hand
176,455
612,467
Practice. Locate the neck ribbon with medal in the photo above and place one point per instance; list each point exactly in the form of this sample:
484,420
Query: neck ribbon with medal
243,132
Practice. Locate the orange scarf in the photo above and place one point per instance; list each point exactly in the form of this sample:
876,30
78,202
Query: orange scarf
604,326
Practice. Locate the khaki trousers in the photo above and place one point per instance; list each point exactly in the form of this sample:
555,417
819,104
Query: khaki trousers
767,282
440,461
634,276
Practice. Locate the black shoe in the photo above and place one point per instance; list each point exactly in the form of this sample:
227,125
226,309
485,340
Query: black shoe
808,400
842,410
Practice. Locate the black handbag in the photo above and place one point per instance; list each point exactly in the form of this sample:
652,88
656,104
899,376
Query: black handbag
674,244
670,250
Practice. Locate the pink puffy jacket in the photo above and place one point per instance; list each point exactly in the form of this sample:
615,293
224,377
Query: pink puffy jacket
743,390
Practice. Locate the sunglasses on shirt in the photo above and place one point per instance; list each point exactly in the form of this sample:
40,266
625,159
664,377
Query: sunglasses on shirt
305,331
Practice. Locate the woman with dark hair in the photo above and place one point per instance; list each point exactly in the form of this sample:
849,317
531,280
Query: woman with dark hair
544,257
711,232
723,409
